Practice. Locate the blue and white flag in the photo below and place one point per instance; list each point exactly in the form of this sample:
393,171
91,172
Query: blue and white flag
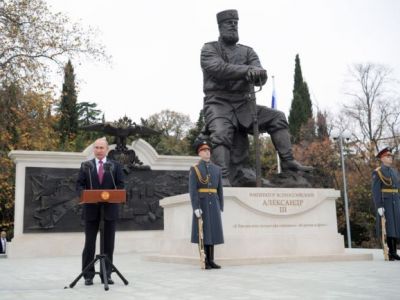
273,101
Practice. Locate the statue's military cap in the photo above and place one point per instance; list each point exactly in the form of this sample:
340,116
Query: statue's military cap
200,144
384,151
227,14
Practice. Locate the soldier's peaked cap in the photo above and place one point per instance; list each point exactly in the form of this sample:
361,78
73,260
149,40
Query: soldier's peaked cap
227,14
384,151
201,144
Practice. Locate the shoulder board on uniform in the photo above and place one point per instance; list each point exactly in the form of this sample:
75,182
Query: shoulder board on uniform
198,174
386,180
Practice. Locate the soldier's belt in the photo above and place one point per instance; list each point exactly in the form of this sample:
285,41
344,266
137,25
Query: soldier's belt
207,191
389,190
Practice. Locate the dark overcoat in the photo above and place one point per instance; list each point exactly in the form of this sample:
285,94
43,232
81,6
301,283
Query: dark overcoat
91,212
88,179
212,204
390,201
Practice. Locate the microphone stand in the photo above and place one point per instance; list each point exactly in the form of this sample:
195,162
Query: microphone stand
108,167
89,167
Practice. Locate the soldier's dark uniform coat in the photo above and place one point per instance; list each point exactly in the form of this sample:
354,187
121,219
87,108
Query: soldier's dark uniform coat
212,204
389,201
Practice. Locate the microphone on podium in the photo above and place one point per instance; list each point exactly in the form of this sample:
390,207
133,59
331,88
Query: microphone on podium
88,166
109,167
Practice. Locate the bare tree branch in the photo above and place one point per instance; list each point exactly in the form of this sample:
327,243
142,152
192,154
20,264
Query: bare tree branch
32,38
372,108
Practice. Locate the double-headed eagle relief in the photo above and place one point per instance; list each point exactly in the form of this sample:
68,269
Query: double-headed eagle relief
121,130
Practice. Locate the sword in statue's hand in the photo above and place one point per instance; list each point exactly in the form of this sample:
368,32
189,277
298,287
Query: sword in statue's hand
252,98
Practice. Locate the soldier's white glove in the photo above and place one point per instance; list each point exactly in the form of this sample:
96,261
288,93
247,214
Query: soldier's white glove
198,212
381,211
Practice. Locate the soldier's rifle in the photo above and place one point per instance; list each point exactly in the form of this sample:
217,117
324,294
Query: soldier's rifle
385,247
201,243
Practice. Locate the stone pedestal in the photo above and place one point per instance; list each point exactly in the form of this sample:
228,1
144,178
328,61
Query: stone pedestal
260,225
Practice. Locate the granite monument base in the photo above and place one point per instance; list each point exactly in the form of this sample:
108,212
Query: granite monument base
261,225
48,217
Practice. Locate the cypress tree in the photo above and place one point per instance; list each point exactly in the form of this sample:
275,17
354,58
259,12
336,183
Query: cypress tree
68,110
88,113
301,108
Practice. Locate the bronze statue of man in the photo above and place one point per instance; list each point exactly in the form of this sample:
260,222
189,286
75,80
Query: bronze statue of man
228,69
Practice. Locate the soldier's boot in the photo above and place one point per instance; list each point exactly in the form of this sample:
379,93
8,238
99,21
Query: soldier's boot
207,252
393,251
390,246
211,261
221,157
281,141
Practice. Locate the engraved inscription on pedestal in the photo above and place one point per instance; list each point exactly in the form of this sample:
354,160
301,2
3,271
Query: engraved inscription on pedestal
283,209
274,226
282,203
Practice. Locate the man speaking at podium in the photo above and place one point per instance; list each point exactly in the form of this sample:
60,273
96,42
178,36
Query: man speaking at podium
99,173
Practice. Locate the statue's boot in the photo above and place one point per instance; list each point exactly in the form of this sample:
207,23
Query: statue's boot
294,165
221,157
281,141
246,177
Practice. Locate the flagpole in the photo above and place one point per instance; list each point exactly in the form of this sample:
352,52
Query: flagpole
274,106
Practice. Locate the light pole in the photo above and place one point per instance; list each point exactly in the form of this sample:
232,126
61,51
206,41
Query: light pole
346,201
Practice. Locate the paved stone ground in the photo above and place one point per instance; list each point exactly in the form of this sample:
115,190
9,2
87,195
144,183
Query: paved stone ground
45,278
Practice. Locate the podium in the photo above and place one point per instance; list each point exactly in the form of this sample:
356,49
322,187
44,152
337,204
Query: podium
103,196
100,197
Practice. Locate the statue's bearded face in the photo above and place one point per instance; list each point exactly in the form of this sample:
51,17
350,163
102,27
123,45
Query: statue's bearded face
228,31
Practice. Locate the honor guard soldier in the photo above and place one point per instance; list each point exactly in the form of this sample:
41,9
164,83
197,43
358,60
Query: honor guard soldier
206,195
385,192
